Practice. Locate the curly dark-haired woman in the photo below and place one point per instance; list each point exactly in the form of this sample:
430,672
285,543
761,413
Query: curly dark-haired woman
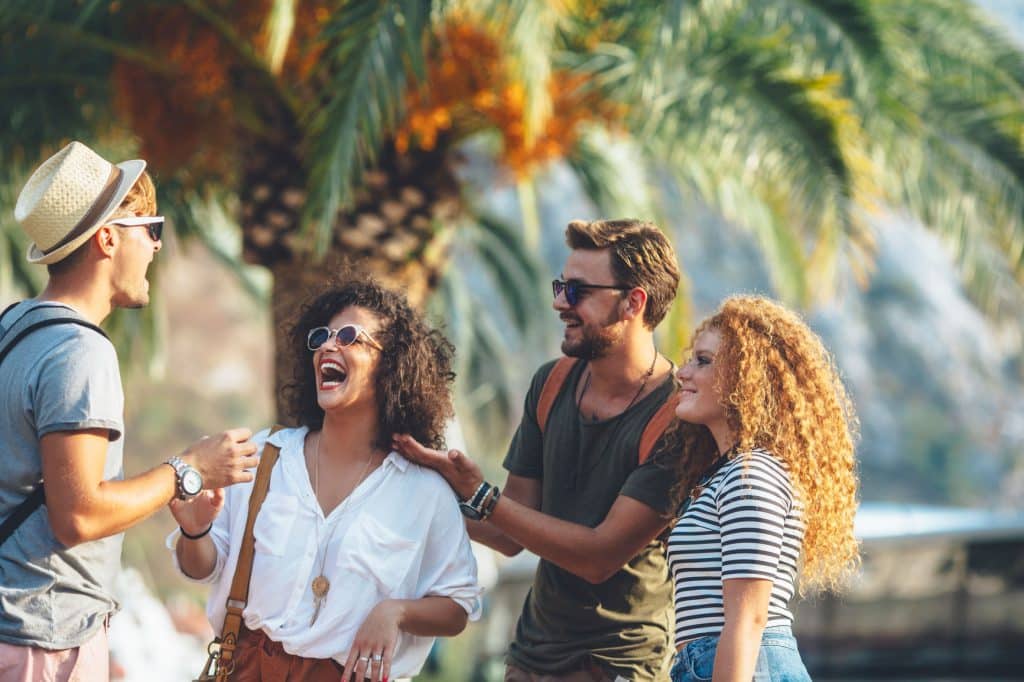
361,557
768,470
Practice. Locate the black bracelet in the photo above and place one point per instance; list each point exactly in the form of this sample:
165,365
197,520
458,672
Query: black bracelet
198,535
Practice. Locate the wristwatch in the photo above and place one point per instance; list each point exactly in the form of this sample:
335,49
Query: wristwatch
189,480
481,503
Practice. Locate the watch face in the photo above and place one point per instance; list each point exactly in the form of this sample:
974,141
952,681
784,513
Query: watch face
469,512
191,482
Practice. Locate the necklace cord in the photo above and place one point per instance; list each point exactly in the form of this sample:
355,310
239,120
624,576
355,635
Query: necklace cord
643,384
320,584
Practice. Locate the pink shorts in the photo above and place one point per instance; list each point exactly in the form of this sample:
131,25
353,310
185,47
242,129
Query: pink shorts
87,663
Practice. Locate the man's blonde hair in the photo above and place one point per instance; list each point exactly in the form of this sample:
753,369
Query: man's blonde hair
140,200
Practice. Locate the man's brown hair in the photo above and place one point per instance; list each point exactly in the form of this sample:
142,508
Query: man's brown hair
642,256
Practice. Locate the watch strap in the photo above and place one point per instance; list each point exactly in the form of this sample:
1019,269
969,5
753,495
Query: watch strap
480,500
487,508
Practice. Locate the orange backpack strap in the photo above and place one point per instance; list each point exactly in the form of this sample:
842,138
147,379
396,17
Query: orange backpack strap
656,426
552,387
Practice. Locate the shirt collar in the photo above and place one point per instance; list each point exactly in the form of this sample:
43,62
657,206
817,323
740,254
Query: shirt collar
287,436
397,460
297,437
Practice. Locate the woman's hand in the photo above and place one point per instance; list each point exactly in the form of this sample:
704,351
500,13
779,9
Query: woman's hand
374,644
195,515
462,473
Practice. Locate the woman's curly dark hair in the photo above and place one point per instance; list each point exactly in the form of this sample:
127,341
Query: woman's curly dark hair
413,377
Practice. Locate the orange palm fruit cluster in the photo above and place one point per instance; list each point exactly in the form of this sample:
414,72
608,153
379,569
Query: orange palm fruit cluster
468,89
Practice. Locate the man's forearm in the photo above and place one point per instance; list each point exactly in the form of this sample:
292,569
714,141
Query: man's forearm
84,506
113,507
594,554
492,536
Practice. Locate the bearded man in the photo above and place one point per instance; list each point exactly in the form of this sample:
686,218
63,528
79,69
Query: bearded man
584,491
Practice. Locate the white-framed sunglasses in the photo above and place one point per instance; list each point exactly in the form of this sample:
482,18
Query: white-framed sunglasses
154,224
345,336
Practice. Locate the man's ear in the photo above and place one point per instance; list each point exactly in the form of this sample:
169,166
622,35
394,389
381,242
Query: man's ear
105,240
636,303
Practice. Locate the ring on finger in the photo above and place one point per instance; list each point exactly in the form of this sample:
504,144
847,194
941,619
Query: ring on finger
377,658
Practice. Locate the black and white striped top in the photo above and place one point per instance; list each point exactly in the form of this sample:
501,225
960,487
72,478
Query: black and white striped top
744,524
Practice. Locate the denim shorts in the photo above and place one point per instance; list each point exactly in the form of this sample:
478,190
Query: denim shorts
778,659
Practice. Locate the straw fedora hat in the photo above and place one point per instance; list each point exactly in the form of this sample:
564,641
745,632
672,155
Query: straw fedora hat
69,197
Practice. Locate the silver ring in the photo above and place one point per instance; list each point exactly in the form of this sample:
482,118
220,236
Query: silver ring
364,658
378,658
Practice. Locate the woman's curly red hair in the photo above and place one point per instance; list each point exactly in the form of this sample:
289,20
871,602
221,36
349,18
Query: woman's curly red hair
783,394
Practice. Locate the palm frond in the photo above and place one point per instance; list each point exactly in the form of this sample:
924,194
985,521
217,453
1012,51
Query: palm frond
509,264
614,174
277,29
206,218
53,82
770,127
529,30
489,298
372,49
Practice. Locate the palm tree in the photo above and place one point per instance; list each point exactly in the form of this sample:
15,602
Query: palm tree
338,128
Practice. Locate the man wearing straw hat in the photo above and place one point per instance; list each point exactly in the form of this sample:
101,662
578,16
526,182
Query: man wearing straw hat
92,224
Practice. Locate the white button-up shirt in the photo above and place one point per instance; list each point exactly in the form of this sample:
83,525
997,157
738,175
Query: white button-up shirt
399,535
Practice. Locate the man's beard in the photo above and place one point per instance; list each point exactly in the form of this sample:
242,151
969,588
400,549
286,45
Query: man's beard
594,342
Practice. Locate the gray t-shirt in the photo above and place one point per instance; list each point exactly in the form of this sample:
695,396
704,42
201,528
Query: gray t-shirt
61,378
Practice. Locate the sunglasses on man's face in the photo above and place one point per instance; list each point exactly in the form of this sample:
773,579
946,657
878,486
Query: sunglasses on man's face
154,224
572,289
344,336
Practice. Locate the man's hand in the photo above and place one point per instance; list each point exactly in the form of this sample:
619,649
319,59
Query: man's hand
224,459
462,473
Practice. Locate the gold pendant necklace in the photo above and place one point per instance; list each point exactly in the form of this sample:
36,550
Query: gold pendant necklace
321,585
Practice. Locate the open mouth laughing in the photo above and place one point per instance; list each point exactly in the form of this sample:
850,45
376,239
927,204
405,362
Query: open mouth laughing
332,374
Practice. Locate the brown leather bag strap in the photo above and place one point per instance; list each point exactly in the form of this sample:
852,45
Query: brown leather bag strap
239,594
656,426
552,387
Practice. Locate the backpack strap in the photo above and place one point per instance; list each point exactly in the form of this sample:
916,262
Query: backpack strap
37,497
24,510
552,387
238,597
656,426
8,309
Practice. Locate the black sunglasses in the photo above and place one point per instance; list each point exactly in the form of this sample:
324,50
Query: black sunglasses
154,224
572,289
345,336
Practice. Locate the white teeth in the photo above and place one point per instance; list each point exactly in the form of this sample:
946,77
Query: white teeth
332,368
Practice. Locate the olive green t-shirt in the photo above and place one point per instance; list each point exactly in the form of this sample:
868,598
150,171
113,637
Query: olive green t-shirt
623,624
